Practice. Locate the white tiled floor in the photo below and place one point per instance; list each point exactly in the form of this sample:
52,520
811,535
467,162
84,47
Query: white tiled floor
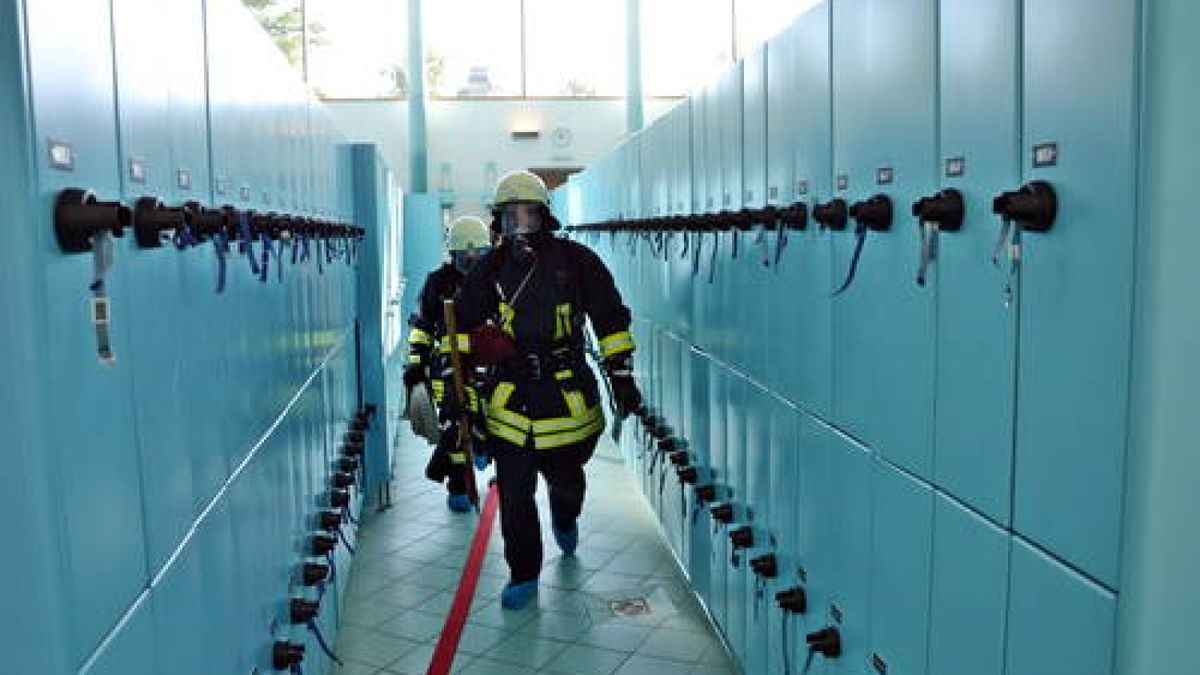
409,562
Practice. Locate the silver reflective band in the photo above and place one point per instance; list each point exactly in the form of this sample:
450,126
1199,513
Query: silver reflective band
102,260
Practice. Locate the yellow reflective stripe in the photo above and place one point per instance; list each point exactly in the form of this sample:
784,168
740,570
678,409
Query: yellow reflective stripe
507,314
501,430
616,343
414,358
416,336
458,458
576,404
570,437
563,375
510,418
562,321
439,389
464,344
559,424
502,393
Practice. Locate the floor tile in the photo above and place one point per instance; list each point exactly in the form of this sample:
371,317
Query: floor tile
527,651
644,665
586,660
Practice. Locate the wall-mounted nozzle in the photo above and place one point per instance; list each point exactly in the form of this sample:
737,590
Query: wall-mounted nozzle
794,600
875,213
944,208
285,655
1034,207
832,215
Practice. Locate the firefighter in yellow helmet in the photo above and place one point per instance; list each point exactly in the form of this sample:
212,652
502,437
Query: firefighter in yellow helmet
467,241
541,399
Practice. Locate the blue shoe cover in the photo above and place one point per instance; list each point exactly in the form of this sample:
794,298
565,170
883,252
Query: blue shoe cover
567,539
516,596
458,503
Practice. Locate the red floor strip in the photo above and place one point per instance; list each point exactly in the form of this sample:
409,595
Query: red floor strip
447,646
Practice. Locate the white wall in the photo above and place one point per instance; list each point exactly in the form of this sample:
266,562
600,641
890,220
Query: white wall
470,134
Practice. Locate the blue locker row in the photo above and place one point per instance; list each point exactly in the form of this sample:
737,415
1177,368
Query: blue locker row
791,532
183,414
853,226
850,216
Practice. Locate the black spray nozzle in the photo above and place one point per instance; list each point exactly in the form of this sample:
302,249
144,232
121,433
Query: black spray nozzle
742,537
1034,207
832,215
793,600
312,574
827,642
688,475
722,513
153,220
339,498
766,566
301,611
286,654
322,544
341,479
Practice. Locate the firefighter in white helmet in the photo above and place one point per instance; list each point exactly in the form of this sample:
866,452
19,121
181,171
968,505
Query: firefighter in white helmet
542,404
467,241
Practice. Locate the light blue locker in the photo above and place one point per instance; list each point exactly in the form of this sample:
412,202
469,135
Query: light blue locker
1080,116
751,307
973,442
179,637
719,424
738,406
220,575
682,280
1058,621
813,527
156,275
845,540
969,592
759,413
781,531
702,174
699,529
885,53
805,274
732,333
717,250
131,650
901,543
94,448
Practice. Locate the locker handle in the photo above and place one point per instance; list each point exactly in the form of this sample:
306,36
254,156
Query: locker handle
944,209
831,215
152,220
688,475
793,600
353,437
322,544
300,611
742,537
706,493
875,212
1034,206
312,574
286,655
680,459
79,216
206,222
329,521
827,642
339,498
722,513
765,566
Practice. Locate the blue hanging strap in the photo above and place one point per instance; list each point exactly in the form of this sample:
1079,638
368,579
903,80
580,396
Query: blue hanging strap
781,242
345,542
861,233
221,246
712,267
320,265
349,516
264,268
306,253
102,261
787,651
316,631
184,237
246,241
332,567
296,669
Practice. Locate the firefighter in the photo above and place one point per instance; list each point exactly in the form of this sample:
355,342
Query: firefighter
468,240
534,292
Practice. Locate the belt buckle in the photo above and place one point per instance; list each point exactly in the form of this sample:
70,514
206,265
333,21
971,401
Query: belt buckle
535,366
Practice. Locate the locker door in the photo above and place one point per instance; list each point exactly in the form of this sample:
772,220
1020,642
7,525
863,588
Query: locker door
179,637
734,284
682,280
750,314
701,244
782,537
719,387
699,530
848,539
1076,279
95,451
885,140
976,332
758,606
781,111
1058,622
131,651
813,527
968,602
738,407
902,537
716,266
140,37
806,275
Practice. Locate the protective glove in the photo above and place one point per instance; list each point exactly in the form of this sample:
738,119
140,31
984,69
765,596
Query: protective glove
625,391
414,374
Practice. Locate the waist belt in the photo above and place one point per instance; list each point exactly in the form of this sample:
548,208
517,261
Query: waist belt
542,365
